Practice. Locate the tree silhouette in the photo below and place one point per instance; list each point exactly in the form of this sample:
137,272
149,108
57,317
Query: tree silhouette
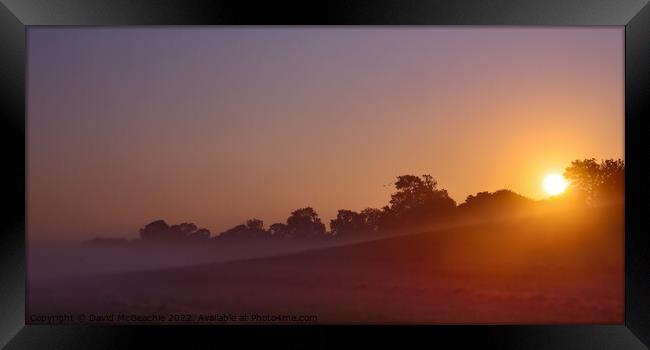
159,230
501,202
371,218
613,179
305,222
279,231
256,229
253,228
418,198
597,181
239,231
497,198
199,234
350,222
346,222
185,228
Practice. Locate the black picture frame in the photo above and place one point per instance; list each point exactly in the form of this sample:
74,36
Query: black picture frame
17,15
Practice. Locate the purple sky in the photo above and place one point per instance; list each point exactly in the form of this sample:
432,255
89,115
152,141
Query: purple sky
218,125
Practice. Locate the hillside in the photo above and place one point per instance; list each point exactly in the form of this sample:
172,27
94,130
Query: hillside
563,267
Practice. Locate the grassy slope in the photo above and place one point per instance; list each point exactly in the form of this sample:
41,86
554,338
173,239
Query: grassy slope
555,268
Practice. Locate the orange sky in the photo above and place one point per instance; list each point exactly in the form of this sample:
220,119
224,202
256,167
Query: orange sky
217,125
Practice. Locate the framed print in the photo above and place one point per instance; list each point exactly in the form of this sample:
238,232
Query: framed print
209,173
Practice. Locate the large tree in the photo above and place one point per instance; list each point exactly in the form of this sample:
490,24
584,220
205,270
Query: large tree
419,198
597,181
304,222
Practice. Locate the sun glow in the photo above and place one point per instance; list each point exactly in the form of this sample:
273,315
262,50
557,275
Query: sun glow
555,184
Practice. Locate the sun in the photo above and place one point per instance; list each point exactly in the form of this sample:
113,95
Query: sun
555,184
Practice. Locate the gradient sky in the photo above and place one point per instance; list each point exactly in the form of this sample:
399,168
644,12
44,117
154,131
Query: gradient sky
217,125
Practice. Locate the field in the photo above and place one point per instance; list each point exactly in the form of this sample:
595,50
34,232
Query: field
559,268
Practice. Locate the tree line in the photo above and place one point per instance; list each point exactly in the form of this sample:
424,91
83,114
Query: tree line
417,200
